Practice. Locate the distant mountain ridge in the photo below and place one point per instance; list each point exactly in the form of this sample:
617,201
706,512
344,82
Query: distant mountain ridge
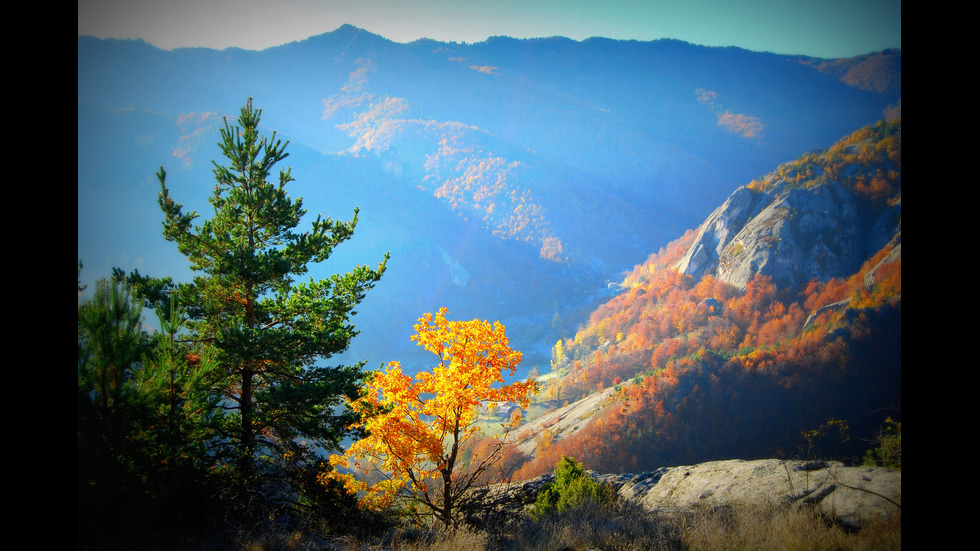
596,112
880,72
542,168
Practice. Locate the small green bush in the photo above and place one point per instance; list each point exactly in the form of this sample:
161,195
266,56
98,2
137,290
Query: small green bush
888,452
571,488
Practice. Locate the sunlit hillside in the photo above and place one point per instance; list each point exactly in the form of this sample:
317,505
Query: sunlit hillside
702,369
511,180
329,292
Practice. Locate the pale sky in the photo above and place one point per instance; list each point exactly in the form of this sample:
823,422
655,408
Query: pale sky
821,28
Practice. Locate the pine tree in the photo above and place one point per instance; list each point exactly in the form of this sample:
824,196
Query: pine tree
144,424
110,340
270,333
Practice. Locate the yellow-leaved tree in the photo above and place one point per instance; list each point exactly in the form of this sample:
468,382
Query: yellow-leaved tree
420,428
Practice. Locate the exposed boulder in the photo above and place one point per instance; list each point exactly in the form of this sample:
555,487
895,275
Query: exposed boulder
719,230
851,495
497,504
790,234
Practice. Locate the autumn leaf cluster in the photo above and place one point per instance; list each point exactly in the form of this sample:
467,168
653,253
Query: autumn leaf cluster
419,426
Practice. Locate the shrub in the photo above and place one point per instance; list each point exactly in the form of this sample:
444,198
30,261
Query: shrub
571,488
888,452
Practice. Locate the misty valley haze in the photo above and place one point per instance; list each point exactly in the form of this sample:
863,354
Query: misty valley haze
511,179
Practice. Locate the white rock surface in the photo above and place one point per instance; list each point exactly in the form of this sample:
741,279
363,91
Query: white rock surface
851,495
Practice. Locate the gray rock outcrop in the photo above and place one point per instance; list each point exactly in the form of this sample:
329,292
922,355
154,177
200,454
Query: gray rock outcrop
719,230
792,234
851,495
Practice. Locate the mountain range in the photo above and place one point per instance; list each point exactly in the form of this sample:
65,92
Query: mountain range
511,180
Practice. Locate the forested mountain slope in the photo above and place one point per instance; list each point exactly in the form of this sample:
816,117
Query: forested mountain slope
510,179
732,343
816,218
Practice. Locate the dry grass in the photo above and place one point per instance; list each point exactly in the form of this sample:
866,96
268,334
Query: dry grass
781,529
625,526
619,526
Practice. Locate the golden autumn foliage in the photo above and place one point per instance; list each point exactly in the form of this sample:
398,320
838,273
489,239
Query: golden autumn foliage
692,360
868,162
419,428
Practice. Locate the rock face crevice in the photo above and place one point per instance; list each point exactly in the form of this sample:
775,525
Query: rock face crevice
850,495
793,235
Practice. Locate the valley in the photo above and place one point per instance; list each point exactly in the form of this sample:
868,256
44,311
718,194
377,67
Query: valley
544,179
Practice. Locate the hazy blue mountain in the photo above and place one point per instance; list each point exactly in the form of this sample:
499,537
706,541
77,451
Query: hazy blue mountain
510,179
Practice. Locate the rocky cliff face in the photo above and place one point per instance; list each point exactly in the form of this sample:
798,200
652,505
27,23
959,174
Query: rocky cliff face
819,217
791,234
851,495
